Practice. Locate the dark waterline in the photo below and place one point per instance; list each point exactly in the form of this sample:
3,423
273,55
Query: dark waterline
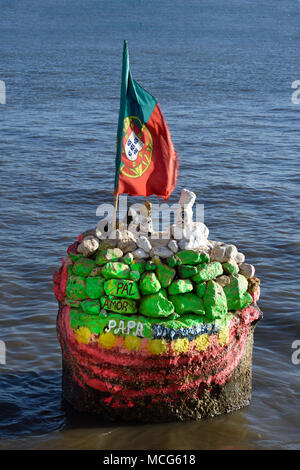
222,72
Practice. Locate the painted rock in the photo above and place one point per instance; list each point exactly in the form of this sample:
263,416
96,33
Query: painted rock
230,267
138,265
192,257
150,266
236,293
186,271
115,270
134,276
127,259
75,257
165,274
110,254
180,286
173,261
187,303
83,267
118,305
76,288
149,284
156,306
125,288
200,289
94,287
92,307
208,271
215,302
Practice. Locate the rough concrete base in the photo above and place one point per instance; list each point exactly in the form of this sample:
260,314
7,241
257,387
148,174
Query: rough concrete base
212,400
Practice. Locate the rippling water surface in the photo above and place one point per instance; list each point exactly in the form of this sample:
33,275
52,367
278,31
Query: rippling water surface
222,72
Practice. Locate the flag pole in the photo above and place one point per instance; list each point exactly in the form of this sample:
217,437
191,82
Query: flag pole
124,83
114,219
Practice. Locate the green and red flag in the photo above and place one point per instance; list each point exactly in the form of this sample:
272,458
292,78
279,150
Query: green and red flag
146,161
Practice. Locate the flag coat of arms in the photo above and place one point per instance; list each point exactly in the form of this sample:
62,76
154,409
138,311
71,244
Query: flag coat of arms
146,161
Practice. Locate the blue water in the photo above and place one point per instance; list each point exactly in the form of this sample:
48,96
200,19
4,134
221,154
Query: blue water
222,72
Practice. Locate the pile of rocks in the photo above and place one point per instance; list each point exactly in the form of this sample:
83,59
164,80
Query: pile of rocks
186,282
159,277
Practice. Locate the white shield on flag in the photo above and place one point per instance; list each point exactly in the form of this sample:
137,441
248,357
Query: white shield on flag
133,146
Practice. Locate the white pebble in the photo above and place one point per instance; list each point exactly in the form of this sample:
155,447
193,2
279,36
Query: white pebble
143,242
161,251
140,254
247,270
173,246
88,246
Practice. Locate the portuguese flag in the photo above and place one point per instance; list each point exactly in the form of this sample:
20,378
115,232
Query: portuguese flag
146,162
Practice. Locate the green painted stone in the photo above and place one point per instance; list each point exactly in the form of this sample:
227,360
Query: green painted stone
115,270
74,316
186,271
192,257
134,275
165,274
164,292
109,254
156,306
150,266
200,289
94,287
72,303
75,257
173,261
180,286
173,316
127,259
138,265
124,288
83,267
70,270
215,302
208,271
230,268
76,288
149,284
187,303
92,307
94,323
236,293
119,305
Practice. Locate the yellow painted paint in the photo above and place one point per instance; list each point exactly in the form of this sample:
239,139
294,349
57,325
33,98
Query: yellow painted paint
107,340
181,345
83,335
157,346
132,343
202,342
223,337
